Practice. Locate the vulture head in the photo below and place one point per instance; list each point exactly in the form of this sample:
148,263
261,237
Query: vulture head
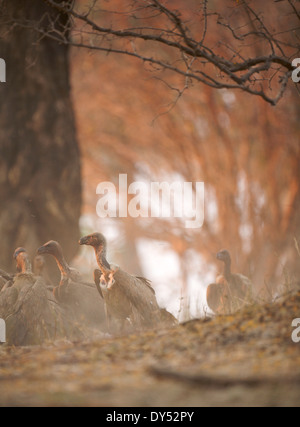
50,248
18,252
224,256
96,240
22,260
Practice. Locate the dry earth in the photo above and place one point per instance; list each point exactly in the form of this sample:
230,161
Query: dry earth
247,359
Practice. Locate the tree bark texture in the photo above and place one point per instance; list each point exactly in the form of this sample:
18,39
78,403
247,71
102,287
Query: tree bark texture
40,179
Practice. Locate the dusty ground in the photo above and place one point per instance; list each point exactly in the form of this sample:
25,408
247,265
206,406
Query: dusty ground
246,359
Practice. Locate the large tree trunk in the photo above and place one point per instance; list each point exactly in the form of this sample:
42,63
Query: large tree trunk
40,180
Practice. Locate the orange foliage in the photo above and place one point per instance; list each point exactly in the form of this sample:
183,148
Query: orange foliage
245,151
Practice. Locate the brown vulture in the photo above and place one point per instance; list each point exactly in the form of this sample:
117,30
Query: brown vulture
231,291
31,313
24,305
79,296
126,297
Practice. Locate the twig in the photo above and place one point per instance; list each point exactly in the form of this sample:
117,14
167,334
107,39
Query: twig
222,381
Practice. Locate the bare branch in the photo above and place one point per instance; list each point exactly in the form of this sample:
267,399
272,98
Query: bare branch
169,35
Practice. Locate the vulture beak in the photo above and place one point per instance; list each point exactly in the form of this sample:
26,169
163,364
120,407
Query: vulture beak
84,241
219,256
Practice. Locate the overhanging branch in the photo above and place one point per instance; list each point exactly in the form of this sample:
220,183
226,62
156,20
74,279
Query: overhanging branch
169,35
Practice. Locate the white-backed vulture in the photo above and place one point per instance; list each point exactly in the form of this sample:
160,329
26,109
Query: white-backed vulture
125,296
31,313
79,296
231,291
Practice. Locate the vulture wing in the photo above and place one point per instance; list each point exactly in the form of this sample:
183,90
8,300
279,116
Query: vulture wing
97,278
8,298
146,282
141,294
242,286
5,275
167,319
2,283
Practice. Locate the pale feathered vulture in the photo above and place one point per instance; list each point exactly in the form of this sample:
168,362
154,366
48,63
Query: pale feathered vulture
24,304
125,296
15,282
231,291
72,291
31,313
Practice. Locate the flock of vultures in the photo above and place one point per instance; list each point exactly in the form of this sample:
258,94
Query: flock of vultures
35,310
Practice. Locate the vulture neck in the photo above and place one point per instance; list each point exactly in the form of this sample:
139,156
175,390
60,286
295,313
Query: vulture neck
227,270
28,268
39,270
62,264
101,260
24,265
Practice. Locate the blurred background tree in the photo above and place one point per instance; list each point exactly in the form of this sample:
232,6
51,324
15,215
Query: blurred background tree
40,179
